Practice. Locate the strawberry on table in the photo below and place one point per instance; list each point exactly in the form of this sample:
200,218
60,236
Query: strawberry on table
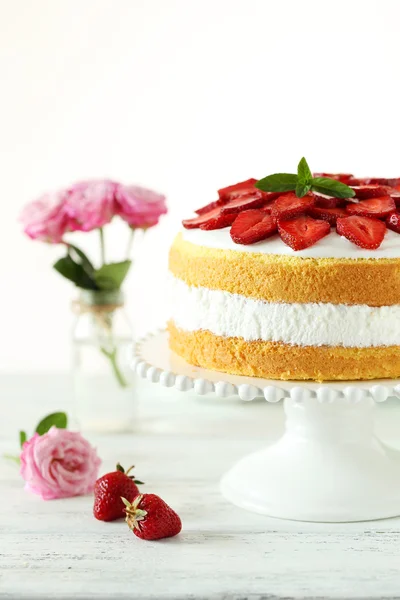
289,205
212,219
238,189
374,207
331,215
363,231
252,226
302,232
150,518
108,490
393,222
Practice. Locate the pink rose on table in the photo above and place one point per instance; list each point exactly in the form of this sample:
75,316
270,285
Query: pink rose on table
90,204
138,206
59,464
45,219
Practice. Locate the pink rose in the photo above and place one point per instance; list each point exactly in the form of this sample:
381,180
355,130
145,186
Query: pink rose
138,206
59,464
45,219
90,204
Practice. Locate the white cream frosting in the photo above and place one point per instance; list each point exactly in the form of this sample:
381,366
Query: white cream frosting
311,324
331,246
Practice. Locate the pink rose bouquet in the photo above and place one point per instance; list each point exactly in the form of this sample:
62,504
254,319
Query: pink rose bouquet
91,206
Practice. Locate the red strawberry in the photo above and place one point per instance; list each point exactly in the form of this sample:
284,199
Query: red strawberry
209,220
150,518
375,207
289,205
331,215
108,490
393,222
363,192
363,231
209,207
328,201
391,182
238,189
395,194
302,232
252,226
255,200
218,221
343,177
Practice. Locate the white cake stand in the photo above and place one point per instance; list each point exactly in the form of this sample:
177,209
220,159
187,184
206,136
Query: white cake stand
328,466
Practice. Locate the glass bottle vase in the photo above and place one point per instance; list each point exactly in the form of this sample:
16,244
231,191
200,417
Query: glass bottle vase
102,344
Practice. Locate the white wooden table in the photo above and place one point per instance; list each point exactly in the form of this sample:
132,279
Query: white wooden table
57,549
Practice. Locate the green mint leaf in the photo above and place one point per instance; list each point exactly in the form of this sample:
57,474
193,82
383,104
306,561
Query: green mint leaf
302,190
78,256
279,182
59,420
75,272
303,172
331,187
22,438
110,277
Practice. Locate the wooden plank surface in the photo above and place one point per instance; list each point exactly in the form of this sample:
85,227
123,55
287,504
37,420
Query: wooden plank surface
57,549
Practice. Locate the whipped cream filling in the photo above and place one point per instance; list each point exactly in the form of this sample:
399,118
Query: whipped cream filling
312,324
331,246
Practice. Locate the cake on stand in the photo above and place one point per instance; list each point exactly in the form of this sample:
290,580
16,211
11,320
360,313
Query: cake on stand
328,466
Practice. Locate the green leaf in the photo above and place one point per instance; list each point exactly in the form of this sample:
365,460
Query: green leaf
110,277
303,172
22,438
81,259
302,189
75,272
59,420
331,187
279,182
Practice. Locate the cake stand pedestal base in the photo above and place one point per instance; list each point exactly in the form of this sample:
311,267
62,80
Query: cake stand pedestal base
328,467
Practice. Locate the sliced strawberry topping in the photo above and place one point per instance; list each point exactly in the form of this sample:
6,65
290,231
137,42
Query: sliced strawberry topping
391,182
375,207
393,222
369,191
363,231
302,232
218,221
331,215
213,219
395,194
238,189
328,201
254,200
289,205
343,177
252,226
211,206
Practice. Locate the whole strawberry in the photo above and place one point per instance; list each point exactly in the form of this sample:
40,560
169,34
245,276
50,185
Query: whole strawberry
108,490
150,518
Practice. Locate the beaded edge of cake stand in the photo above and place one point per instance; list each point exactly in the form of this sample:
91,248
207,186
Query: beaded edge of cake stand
272,393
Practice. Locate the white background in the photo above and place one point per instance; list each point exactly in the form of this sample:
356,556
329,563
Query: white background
184,96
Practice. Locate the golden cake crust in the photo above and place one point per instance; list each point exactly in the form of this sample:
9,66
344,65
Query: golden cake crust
280,278
275,360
